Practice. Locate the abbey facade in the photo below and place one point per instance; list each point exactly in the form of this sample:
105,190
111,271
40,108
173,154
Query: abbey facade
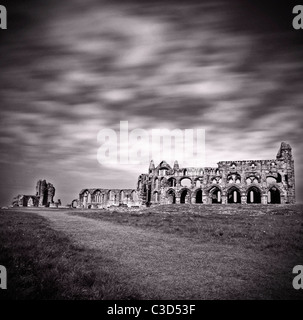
246,182
44,196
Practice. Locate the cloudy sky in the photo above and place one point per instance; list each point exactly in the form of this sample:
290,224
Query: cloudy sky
69,69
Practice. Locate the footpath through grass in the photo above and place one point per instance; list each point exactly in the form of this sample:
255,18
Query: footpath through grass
274,229
43,263
168,252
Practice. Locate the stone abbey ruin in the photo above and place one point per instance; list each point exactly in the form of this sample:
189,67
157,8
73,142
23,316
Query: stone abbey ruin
44,196
245,182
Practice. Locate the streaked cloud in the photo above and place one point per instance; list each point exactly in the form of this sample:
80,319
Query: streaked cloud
77,68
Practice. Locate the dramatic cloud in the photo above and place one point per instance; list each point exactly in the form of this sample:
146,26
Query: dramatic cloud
69,70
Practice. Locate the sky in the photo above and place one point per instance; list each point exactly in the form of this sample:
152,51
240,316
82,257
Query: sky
69,69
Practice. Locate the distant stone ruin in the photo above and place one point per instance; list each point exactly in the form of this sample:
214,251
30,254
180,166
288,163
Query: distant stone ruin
44,197
245,182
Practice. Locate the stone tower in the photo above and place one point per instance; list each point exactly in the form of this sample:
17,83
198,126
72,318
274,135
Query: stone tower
46,192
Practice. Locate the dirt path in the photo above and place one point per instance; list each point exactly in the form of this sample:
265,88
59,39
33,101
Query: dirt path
170,267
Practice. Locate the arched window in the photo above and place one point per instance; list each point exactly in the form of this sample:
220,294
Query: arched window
233,195
97,196
162,172
171,196
134,196
270,180
186,182
110,195
253,195
273,196
199,196
248,181
171,182
215,194
198,183
185,196
156,197
234,178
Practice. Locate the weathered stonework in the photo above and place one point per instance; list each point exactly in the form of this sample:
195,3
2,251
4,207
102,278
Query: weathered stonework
250,181
103,198
44,197
246,182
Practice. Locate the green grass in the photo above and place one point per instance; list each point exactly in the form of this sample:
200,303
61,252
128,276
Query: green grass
44,264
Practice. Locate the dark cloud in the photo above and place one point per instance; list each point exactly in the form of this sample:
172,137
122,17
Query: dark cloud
69,69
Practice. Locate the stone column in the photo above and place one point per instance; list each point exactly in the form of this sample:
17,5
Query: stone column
243,199
205,199
193,200
224,199
264,199
177,200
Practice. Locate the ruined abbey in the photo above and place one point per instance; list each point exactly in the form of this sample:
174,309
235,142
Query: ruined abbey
44,196
246,182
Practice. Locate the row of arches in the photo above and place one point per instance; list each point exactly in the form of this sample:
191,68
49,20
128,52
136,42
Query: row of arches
253,195
197,182
99,196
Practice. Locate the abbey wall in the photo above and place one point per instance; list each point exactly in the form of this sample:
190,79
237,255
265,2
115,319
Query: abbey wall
246,182
44,196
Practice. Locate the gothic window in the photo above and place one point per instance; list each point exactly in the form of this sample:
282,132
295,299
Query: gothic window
186,182
270,180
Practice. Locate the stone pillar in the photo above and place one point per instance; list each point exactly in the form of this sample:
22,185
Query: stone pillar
224,199
243,199
264,199
193,200
177,200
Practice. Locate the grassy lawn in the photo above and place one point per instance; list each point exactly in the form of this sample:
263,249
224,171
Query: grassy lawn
167,252
44,264
274,229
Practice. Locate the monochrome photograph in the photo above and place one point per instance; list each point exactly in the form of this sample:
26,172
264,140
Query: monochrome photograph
151,153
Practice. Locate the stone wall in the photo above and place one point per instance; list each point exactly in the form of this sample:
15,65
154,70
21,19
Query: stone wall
44,196
250,181
105,198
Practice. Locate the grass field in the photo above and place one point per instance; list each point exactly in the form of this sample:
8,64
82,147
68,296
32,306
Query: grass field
166,252
43,263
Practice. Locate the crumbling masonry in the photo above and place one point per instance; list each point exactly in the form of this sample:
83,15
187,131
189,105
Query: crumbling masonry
245,182
44,197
